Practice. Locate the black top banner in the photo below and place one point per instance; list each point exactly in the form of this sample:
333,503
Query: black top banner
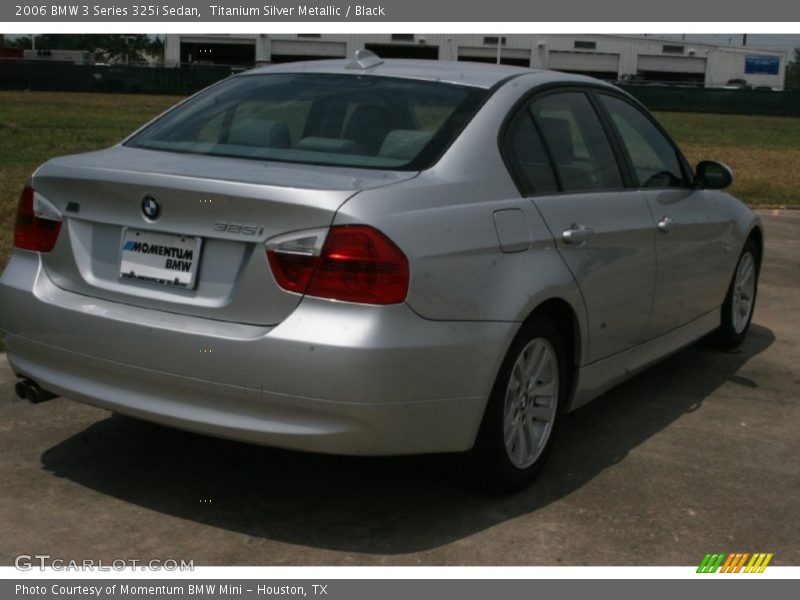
442,11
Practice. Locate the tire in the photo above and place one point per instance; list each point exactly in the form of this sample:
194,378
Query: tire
528,420
740,301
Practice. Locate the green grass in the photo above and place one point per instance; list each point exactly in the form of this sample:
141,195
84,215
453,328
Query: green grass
762,151
35,126
740,131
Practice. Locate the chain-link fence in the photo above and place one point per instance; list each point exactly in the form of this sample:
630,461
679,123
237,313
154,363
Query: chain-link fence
717,100
61,77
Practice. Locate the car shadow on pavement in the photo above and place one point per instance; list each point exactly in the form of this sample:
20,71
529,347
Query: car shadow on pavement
379,505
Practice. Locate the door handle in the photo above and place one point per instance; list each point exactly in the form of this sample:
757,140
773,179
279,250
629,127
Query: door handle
665,224
577,234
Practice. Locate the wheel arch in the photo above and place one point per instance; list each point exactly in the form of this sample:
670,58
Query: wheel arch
563,314
756,234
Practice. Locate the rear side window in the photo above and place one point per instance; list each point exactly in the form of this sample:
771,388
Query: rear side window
654,158
347,120
527,157
581,152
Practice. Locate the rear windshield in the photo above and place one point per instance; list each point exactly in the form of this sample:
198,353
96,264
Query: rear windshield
344,120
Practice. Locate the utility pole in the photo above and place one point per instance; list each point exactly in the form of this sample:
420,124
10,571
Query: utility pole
499,47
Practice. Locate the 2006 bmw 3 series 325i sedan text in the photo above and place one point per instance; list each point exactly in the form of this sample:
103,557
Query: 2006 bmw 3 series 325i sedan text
376,257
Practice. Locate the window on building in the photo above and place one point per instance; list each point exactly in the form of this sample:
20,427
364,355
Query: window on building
402,37
584,45
672,49
413,51
309,35
492,40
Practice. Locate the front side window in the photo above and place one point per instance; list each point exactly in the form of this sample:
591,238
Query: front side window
346,120
580,150
654,158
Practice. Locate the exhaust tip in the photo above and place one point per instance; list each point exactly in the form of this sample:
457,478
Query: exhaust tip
21,390
29,390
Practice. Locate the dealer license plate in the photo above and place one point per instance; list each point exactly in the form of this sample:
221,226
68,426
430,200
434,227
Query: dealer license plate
159,258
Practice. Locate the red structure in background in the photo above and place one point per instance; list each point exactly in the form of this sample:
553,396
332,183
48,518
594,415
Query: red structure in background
12,53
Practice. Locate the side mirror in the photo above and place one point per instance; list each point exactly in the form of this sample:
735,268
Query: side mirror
712,174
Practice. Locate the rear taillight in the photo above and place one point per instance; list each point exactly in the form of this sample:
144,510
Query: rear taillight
37,227
354,263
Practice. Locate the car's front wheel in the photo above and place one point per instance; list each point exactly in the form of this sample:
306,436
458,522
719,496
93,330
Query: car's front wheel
523,410
740,302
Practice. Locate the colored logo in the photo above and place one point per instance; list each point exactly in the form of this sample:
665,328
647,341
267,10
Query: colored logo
150,207
740,562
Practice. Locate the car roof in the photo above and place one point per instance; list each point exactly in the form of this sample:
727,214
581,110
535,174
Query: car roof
474,74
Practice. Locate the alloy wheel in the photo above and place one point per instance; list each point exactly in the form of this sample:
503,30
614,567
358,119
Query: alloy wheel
531,401
744,288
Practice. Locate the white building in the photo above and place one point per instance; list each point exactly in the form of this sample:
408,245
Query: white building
604,56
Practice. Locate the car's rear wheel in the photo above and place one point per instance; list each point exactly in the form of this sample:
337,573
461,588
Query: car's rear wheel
523,410
740,302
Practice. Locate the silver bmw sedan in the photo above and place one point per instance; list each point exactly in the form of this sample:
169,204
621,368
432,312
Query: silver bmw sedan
376,257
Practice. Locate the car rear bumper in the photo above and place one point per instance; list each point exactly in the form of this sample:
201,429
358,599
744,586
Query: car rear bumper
333,377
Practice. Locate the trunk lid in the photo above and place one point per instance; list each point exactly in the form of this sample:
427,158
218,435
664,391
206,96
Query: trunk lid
231,205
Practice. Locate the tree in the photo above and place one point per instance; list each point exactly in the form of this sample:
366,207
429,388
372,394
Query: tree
156,50
793,71
23,42
129,48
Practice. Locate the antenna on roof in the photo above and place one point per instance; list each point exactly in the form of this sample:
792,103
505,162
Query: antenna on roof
364,59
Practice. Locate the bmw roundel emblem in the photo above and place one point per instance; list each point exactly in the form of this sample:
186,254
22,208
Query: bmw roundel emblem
150,207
